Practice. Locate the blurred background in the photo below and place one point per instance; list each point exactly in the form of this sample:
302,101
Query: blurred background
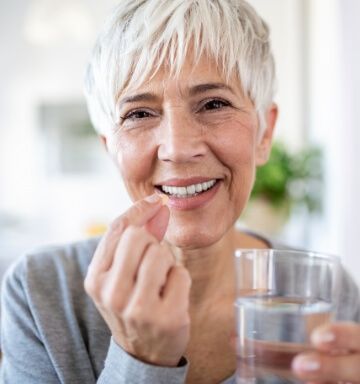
57,184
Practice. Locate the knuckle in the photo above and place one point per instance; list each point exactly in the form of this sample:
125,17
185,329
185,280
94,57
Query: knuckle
135,316
106,300
91,286
112,301
129,233
149,259
139,209
119,224
154,252
134,234
129,236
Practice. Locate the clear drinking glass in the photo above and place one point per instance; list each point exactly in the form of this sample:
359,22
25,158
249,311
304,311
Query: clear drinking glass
281,297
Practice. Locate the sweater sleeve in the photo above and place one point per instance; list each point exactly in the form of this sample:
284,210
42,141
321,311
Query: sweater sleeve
122,368
24,357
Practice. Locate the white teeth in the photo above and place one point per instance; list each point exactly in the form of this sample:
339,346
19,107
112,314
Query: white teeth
198,187
190,190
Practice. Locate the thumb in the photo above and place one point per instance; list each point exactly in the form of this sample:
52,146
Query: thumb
158,224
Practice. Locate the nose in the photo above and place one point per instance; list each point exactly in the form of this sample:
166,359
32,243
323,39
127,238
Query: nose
182,139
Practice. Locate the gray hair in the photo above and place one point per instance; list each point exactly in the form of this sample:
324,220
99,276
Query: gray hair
142,35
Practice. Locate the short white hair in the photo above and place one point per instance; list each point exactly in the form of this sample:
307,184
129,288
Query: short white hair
140,36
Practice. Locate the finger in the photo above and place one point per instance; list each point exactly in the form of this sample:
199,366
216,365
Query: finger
157,225
138,214
152,273
337,336
129,253
322,367
177,287
143,210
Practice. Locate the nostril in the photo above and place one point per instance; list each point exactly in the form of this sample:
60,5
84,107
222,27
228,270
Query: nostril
182,151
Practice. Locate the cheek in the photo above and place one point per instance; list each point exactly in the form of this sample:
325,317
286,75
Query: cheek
134,157
236,150
236,147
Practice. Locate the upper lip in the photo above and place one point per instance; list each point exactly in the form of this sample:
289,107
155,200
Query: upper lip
185,182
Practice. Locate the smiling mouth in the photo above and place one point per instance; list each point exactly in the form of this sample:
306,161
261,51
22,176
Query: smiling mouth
188,191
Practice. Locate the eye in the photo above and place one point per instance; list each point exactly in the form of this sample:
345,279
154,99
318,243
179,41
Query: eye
214,104
138,114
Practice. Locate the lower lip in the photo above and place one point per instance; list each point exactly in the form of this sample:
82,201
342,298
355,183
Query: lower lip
197,201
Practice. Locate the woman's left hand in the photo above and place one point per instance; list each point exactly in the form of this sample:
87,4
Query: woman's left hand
337,355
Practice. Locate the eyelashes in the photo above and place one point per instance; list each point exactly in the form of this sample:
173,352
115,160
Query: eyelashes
213,104
205,106
138,114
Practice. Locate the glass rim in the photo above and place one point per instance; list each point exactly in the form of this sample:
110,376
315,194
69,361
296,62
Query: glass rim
299,253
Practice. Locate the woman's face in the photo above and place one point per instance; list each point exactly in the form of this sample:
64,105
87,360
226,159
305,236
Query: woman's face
176,134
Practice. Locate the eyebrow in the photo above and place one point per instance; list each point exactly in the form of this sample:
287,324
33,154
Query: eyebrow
140,97
193,91
201,88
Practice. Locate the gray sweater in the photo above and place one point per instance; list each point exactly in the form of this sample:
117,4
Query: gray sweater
51,332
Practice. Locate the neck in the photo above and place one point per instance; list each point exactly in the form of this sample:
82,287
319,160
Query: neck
210,268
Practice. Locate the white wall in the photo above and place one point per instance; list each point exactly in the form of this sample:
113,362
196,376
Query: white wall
334,101
287,28
325,116
33,208
317,50
350,131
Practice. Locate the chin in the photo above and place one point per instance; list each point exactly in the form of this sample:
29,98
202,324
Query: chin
192,238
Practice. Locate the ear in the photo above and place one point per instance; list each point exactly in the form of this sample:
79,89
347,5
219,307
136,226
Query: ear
263,147
106,142
103,140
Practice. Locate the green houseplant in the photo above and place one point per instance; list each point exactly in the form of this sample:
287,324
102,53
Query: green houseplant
289,180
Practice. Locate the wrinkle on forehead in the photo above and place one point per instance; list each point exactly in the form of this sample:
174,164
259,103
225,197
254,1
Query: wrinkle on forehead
200,78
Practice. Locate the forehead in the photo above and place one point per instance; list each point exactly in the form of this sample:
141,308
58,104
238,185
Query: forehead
190,76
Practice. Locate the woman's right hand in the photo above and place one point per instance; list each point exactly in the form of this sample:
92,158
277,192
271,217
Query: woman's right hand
140,292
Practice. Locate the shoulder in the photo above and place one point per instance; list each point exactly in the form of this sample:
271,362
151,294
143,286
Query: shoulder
55,265
48,283
63,256
48,319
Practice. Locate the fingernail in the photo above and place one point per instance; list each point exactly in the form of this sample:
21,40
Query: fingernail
307,364
320,337
164,198
154,198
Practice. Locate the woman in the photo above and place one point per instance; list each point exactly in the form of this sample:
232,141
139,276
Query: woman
181,94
